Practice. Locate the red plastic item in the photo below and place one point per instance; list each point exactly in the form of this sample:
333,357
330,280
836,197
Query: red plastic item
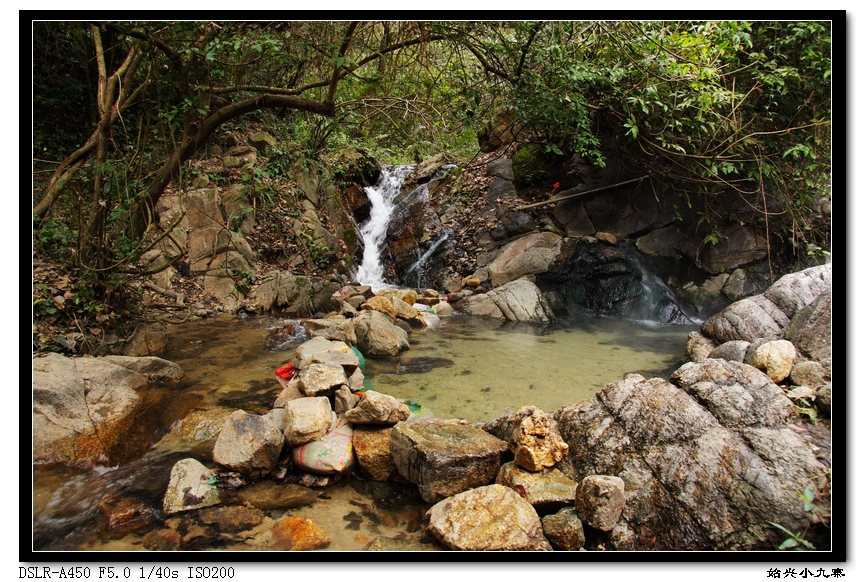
285,372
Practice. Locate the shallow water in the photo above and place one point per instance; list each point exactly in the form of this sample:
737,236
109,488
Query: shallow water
469,368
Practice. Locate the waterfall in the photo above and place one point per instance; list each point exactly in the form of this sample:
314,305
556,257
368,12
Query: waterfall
417,267
657,302
373,231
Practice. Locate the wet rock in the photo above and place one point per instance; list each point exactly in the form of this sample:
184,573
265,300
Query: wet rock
124,514
738,245
197,430
344,400
663,242
163,540
191,485
707,462
307,420
564,530
599,500
285,337
82,407
295,533
378,336
606,237
404,310
381,304
267,495
231,519
385,544
146,341
317,379
337,329
534,444
445,459
776,359
372,447
545,490
378,408
733,351
531,254
443,309
488,518
248,443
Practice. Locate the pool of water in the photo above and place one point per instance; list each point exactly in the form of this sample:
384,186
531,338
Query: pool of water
469,368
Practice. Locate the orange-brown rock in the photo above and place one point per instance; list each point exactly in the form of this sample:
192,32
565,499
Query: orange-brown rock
298,534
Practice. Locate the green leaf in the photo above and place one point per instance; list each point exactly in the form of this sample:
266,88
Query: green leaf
788,543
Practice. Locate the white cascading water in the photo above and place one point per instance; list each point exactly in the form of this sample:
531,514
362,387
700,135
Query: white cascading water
373,231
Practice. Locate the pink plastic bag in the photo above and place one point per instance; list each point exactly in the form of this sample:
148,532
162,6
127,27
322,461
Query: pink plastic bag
331,454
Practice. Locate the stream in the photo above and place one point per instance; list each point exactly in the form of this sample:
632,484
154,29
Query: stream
469,368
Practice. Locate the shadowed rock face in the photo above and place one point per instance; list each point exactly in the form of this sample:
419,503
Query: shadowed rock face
708,460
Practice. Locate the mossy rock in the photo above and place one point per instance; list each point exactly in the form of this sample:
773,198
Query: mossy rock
532,166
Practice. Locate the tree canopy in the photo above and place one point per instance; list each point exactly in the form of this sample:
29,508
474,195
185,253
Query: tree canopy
120,108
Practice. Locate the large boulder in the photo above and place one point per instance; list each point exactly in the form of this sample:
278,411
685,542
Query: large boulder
248,443
84,407
767,315
708,461
531,254
296,294
445,459
486,519
534,444
378,336
519,300
811,329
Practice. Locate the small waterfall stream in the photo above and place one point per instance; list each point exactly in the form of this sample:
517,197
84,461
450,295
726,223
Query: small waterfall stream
374,230
657,302
414,275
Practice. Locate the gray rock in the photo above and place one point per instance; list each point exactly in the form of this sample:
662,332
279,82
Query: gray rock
296,295
378,408
197,431
445,459
307,420
501,168
485,519
733,351
156,370
545,490
792,292
517,223
707,464
191,485
738,245
248,443
378,336
564,530
262,141
599,500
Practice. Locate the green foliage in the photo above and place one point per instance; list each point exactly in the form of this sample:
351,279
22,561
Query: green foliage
532,166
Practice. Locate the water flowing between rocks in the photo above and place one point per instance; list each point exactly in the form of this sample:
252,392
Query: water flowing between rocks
470,368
